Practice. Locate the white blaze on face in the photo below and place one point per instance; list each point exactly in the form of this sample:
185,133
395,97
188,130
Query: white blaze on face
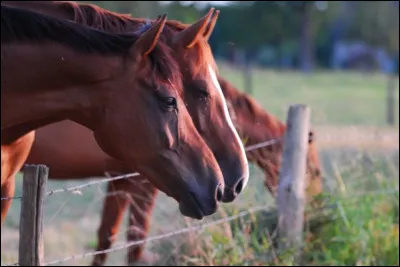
230,124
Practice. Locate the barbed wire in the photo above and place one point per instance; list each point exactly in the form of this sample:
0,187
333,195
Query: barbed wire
75,189
262,144
10,198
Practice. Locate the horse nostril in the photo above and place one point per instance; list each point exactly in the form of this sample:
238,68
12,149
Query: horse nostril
239,186
219,193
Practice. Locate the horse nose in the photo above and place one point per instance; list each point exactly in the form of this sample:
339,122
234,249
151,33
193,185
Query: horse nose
238,187
219,193
231,194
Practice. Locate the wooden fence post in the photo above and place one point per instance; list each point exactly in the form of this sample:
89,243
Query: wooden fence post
390,102
31,218
291,189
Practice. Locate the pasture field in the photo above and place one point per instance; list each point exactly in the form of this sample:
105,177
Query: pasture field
343,98
360,160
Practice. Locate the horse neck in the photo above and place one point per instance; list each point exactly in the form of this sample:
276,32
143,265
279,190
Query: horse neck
267,158
275,127
271,129
58,83
270,126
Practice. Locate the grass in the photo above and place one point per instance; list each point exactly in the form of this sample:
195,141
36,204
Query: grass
365,229
359,179
360,229
343,98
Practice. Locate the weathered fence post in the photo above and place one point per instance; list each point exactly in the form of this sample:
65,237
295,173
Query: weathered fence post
291,189
31,217
390,100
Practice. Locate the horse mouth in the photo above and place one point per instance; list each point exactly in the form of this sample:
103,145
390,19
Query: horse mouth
192,208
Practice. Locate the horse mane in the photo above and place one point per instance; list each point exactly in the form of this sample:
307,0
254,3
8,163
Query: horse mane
22,25
97,17
258,114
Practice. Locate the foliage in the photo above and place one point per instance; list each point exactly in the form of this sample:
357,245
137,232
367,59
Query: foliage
253,26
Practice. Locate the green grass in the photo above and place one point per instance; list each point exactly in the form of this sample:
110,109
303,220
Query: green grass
360,227
365,230
335,98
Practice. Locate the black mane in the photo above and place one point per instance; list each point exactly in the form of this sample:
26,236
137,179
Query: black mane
20,25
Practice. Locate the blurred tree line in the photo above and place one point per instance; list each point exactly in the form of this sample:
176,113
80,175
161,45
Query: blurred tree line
298,34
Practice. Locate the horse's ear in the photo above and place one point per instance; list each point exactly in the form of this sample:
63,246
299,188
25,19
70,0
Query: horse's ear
148,40
189,36
211,25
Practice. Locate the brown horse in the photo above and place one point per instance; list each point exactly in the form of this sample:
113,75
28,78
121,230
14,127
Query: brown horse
203,96
252,121
71,71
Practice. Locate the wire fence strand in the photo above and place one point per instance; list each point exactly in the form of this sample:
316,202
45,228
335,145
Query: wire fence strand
76,189
262,144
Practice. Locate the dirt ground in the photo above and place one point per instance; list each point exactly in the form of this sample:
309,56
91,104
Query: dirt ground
362,137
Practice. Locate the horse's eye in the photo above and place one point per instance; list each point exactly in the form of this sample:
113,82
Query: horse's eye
170,102
204,94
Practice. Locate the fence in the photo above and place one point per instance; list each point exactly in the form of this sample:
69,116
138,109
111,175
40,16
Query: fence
290,200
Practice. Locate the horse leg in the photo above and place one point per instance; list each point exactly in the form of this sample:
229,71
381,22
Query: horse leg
14,153
114,206
139,220
7,191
